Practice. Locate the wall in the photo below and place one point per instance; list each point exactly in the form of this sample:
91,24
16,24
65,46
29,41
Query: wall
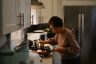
47,12
65,2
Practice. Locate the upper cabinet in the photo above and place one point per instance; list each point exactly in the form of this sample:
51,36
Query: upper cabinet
27,17
9,20
52,8
46,13
24,12
57,8
27,13
13,15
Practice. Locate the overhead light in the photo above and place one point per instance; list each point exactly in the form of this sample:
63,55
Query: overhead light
37,4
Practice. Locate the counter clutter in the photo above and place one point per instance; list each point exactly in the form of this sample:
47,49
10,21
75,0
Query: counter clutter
42,49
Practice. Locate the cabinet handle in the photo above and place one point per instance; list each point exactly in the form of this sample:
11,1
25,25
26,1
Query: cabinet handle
82,26
22,19
21,16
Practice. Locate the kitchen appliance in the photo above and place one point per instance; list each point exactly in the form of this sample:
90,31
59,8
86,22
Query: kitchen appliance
83,20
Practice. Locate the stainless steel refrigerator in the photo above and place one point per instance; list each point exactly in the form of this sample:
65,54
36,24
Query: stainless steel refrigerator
83,20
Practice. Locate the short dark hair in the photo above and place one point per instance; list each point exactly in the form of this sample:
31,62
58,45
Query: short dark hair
56,21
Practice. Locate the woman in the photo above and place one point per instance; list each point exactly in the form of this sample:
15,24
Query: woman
68,47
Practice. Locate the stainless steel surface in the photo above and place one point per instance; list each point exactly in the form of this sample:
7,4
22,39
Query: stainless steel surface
82,28
79,27
81,18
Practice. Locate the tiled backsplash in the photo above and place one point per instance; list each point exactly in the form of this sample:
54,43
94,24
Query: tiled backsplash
17,37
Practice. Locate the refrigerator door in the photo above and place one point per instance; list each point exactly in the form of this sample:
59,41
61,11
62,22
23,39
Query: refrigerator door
80,18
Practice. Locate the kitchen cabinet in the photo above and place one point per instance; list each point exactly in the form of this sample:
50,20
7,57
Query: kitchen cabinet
57,8
8,17
27,19
52,8
13,15
24,12
18,57
46,13
35,16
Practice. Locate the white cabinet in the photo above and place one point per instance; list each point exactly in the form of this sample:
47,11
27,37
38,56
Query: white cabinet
52,8
13,15
24,12
27,17
46,13
57,8
8,16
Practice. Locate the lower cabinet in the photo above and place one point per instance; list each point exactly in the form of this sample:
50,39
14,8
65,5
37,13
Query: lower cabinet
17,58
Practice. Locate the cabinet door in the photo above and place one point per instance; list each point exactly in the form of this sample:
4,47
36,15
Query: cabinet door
27,14
57,8
14,13
9,21
21,13
46,13
52,8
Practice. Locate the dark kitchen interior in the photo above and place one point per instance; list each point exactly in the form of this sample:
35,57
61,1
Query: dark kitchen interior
23,23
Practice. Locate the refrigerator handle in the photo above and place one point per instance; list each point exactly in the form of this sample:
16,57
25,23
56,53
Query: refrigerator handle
79,27
82,24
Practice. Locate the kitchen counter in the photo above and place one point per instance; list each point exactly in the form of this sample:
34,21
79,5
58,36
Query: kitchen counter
47,60
34,58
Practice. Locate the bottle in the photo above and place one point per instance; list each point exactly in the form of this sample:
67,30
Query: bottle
34,46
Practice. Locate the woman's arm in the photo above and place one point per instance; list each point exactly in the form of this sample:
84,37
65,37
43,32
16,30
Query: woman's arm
51,41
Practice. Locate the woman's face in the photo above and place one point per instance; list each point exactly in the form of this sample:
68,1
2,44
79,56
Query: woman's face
54,29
